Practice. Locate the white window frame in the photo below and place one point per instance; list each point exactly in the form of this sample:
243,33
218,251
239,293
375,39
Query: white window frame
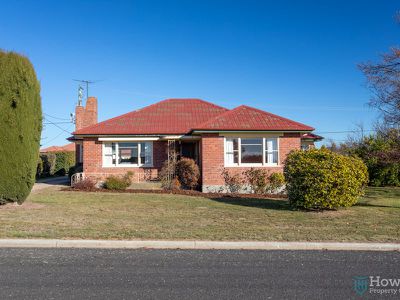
117,165
264,150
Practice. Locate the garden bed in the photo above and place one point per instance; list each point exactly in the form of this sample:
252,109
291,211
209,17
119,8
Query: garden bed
180,192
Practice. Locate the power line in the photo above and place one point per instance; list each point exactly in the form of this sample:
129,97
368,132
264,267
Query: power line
52,123
57,118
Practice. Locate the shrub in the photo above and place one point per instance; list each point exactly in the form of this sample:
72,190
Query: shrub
74,169
39,168
64,160
49,164
86,184
117,182
20,126
276,182
257,180
167,174
323,179
233,183
175,184
188,172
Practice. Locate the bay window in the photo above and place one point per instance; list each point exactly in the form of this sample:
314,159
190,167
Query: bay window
127,154
251,151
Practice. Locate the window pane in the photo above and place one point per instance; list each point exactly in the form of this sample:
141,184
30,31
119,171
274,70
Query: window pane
229,145
235,144
271,144
251,154
128,153
229,158
257,141
143,153
271,154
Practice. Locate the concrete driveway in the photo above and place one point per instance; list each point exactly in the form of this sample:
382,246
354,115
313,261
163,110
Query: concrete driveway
40,184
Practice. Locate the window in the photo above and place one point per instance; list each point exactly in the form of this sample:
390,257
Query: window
251,151
127,154
271,151
232,151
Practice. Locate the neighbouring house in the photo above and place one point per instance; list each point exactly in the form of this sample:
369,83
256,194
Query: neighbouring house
214,136
66,148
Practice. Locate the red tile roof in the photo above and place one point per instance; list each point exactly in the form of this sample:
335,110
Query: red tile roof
248,118
312,136
171,116
181,116
68,148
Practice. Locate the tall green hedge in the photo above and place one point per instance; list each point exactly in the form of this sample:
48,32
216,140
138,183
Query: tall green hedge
20,126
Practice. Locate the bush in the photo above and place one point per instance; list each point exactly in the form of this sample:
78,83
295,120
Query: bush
118,183
74,169
233,183
86,185
257,180
188,172
276,182
49,164
167,174
20,126
64,161
323,179
175,184
39,168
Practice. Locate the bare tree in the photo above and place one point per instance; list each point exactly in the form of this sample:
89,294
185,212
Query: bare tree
384,82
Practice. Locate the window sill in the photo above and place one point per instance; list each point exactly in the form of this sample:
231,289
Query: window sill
129,166
253,165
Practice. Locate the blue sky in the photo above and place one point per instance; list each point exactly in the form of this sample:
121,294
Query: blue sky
297,59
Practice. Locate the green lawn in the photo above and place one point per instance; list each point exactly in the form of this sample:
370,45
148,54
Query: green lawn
50,213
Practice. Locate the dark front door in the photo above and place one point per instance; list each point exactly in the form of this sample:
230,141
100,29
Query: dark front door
190,150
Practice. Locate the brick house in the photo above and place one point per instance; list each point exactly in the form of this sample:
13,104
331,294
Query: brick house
215,137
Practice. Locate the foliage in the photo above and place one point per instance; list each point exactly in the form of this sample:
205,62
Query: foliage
167,174
257,180
64,160
74,169
233,182
118,182
20,126
323,179
188,172
175,184
380,152
384,81
276,182
87,184
48,164
39,168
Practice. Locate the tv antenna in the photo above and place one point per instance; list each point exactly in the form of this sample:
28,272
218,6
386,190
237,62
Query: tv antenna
86,82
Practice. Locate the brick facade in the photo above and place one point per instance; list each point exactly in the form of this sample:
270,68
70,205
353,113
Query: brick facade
93,162
212,148
86,115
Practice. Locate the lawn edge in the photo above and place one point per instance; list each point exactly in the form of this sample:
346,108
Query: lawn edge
196,245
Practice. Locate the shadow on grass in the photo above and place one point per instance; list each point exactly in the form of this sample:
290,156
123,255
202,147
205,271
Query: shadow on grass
277,204
366,204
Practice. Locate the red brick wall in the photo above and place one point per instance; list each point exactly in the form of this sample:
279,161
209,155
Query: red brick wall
93,161
86,116
212,147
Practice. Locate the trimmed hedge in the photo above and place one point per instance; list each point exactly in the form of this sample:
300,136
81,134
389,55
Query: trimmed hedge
55,163
20,126
320,178
118,182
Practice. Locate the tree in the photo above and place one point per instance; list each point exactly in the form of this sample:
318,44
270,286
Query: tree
20,126
384,82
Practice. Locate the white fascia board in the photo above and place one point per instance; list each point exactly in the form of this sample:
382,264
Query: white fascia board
123,139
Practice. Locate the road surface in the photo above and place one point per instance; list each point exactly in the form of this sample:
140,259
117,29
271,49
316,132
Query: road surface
188,274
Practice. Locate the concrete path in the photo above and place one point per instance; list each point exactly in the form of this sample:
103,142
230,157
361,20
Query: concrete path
50,182
227,245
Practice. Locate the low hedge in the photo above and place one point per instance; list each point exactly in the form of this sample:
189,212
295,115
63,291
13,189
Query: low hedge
320,179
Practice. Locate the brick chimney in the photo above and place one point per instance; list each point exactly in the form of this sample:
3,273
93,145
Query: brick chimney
86,115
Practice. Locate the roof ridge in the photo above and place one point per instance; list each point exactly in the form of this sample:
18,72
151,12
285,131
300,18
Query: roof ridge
147,107
271,114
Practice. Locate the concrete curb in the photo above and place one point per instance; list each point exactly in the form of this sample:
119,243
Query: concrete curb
224,245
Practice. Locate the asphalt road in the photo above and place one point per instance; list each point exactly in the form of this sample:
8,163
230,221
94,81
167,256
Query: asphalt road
184,274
